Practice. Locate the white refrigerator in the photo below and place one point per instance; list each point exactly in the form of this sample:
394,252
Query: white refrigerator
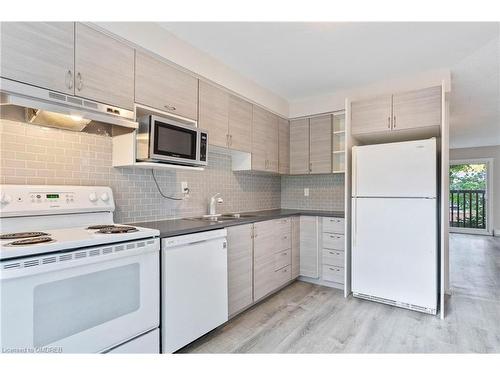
394,224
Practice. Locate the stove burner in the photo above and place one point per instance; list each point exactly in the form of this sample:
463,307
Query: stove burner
117,229
13,236
101,226
31,241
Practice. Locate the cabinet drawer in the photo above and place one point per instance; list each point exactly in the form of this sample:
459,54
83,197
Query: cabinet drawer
333,241
333,273
282,259
282,276
284,241
333,257
284,225
333,225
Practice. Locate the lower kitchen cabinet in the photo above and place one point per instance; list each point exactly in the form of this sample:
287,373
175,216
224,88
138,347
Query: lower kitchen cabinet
309,254
239,265
333,250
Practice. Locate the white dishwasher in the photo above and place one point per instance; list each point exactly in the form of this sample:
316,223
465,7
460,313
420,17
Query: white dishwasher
194,287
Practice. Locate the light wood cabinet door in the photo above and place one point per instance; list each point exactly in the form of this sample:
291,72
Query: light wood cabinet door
164,87
264,140
295,246
320,135
299,146
213,114
264,260
272,143
371,115
240,124
39,53
104,68
309,250
284,146
417,109
239,267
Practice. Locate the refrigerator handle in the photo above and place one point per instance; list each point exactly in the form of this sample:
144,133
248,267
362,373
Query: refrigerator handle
354,173
354,217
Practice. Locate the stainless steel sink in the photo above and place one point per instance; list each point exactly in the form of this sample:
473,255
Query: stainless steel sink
238,216
222,218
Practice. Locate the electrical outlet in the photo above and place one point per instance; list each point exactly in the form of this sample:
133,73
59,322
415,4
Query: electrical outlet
185,189
306,192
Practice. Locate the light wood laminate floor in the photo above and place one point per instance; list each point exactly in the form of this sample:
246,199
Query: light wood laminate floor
306,318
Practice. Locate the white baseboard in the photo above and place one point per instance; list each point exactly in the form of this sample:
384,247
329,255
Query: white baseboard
496,232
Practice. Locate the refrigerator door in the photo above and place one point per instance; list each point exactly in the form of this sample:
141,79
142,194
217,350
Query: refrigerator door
404,169
394,251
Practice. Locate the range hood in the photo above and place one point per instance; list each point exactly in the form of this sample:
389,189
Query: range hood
50,108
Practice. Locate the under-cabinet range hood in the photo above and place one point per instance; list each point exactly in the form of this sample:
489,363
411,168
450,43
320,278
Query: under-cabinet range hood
50,108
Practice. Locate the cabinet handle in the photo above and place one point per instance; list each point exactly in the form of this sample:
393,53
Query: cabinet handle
227,140
170,107
394,123
310,167
230,139
389,122
69,79
80,81
284,254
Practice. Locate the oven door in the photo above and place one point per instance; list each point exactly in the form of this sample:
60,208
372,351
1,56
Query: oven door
174,142
84,301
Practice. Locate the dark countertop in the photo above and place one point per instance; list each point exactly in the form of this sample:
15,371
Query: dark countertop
175,227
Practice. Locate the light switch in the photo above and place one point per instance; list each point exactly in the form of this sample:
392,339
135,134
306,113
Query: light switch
306,192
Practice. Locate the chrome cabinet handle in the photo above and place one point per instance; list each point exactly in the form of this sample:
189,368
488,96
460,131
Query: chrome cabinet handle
170,107
394,123
230,139
310,167
80,81
69,79
227,140
389,122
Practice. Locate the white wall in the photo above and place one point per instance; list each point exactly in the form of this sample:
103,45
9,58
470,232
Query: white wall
485,152
154,38
336,100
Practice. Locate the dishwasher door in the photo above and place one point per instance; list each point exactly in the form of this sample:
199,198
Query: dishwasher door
194,287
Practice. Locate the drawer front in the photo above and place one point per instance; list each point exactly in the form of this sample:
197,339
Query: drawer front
333,257
333,241
282,259
284,226
333,273
282,276
284,241
333,225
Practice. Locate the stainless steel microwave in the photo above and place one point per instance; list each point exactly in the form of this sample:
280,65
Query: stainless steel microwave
169,140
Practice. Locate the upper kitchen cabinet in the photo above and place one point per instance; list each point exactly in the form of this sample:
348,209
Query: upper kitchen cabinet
164,87
320,133
417,109
299,146
213,114
264,141
372,115
104,68
39,53
284,146
240,124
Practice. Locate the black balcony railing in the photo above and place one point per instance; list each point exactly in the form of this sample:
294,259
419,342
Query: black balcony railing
468,209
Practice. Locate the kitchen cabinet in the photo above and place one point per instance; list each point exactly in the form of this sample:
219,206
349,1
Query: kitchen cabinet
161,86
333,250
284,146
39,54
401,111
416,109
371,115
272,256
320,135
213,114
264,140
240,267
104,68
240,124
295,247
299,146
309,254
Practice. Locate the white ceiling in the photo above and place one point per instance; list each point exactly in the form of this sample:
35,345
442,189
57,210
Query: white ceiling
301,60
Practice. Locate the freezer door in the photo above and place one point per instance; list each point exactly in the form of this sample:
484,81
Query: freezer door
394,250
404,169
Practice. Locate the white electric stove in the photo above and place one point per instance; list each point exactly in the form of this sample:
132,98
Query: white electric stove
72,280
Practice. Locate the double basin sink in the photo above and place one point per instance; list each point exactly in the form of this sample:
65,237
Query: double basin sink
222,218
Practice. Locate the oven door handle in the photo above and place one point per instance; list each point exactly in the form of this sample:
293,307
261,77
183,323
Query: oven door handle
35,265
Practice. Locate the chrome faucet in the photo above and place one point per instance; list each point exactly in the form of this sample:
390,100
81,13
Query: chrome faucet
211,204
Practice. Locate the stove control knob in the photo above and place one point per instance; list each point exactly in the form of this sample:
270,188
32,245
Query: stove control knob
5,198
92,197
104,197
